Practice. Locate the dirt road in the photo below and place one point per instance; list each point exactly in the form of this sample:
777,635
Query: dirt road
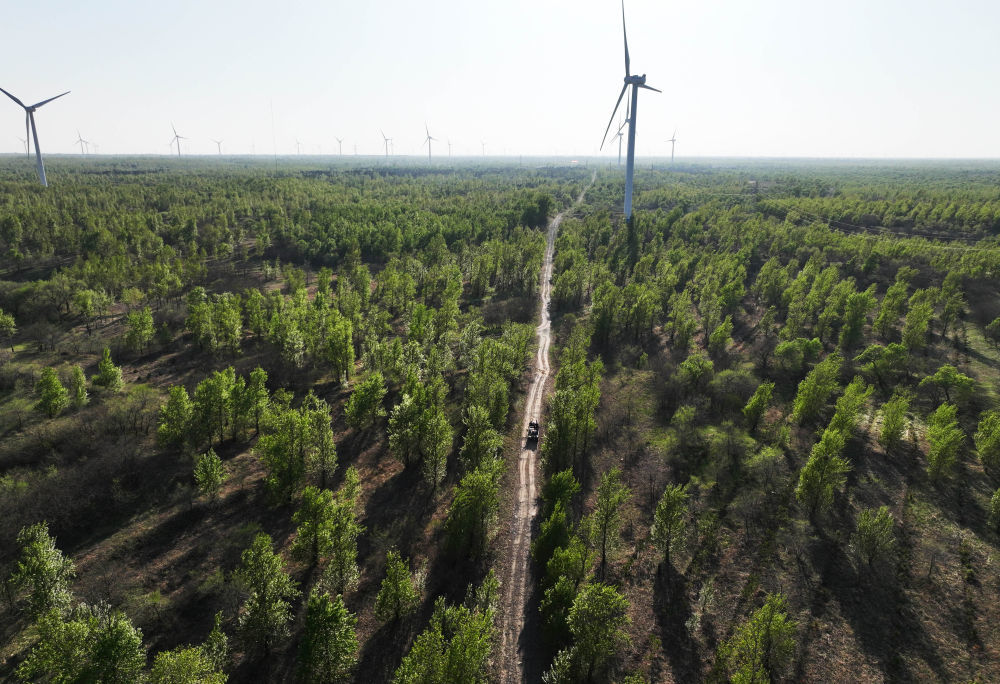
515,575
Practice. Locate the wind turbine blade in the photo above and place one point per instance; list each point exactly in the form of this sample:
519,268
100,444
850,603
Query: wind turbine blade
625,36
655,90
39,104
615,111
12,97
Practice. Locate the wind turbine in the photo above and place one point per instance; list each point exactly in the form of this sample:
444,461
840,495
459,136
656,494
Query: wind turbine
483,143
427,141
636,82
340,145
29,124
673,141
24,141
298,147
177,139
81,142
386,141
449,147
218,144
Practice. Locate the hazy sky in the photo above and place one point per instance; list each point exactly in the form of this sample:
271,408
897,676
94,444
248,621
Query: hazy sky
857,78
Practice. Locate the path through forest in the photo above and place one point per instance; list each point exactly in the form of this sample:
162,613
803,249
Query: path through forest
516,574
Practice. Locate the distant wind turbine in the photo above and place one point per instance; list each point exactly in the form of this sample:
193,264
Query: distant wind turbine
427,141
636,82
298,147
31,131
80,141
673,141
386,140
483,143
218,144
177,139
449,147
340,145
24,141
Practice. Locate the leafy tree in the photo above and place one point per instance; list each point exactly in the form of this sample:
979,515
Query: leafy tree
321,449
554,533
329,649
8,328
855,313
893,303
560,489
216,646
761,648
757,405
53,397
474,510
482,441
874,540
397,596
720,337
455,647
992,332
185,665
365,405
209,474
987,439
946,438
893,420
994,515
313,537
404,429
948,379
139,329
175,418
816,389
265,614
435,445
918,320
824,473
257,397
78,387
94,644
597,621
604,522
213,404
43,571
341,571
849,405
108,375
282,447
669,520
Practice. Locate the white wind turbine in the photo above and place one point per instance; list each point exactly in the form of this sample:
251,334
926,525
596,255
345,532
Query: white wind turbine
81,142
449,147
636,82
218,144
483,143
31,131
24,141
176,139
340,145
673,141
427,141
386,140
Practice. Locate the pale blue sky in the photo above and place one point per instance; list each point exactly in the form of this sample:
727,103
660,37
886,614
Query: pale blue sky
882,78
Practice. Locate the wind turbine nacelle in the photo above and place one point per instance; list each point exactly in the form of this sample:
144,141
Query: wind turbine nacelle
636,79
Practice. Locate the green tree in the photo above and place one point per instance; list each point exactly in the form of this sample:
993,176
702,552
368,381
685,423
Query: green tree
893,420
185,665
435,445
313,536
282,448
994,515
108,375
266,612
849,405
329,649
482,440
209,474
816,389
554,533
78,388
605,520
874,540
341,571
473,514
365,405
52,396
175,418
756,407
8,328
139,329
397,596
93,644
404,431
257,397
951,382
987,439
761,648
918,320
455,647
669,520
213,404
43,571
597,622
946,438
560,488
824,473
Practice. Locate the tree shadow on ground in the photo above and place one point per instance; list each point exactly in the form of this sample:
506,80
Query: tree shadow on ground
673,610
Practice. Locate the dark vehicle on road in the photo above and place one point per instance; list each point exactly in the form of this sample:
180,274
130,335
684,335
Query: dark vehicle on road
532,431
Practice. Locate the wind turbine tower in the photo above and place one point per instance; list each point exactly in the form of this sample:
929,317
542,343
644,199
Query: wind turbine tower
449,147
427,141
340,145
81,142
673,141
218,144
483,143
386,140
24,141
177,139
31,131
636,81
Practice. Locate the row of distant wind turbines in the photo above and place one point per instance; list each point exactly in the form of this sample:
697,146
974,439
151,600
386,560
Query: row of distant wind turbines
631,114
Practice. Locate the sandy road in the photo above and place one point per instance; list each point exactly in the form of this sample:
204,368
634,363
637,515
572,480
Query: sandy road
515,575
